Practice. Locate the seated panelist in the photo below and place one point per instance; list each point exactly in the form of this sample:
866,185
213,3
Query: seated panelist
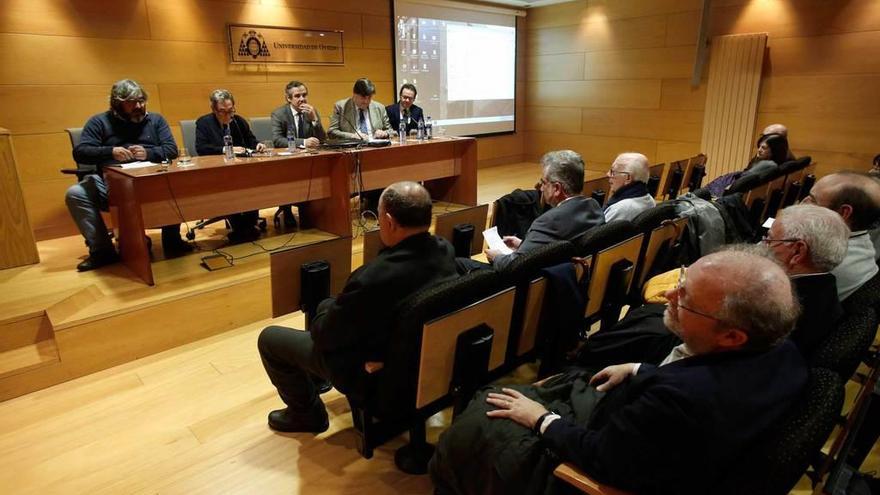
297,115
210,131
124,133
405,109
359,117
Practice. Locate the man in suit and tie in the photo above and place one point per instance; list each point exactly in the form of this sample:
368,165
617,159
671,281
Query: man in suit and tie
359,117
303,119
405,109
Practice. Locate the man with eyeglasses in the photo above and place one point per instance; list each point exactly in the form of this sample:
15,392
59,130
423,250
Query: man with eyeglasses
628,184
571,215
405,109
672,428
856,198
210,131
124,133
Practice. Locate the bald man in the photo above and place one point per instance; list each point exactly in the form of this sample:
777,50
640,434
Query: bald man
856,198
349,333
628,183
673,428
781,130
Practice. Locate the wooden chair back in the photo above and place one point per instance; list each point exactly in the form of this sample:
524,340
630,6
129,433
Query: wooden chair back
666,234
601,269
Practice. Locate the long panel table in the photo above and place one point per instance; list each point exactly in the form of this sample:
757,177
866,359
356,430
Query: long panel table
154,196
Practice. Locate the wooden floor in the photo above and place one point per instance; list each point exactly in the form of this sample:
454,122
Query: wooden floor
193,420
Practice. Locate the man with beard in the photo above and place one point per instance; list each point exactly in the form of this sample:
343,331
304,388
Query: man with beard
124,133
672,428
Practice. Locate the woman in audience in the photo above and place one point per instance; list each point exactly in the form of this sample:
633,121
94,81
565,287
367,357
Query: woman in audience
772,151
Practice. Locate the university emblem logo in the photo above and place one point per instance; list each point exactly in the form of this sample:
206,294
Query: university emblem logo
252,44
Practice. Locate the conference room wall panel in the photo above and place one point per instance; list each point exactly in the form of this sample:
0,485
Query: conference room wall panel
561,67
93,18
556,119
45,203
598,151
667,125
599,35
45,152
595,94
47,108
818,95
820,75
647,63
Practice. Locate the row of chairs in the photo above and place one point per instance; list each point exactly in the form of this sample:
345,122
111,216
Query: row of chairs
665,181
764,194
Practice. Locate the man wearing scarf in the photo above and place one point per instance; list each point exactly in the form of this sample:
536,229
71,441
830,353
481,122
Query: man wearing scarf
628,177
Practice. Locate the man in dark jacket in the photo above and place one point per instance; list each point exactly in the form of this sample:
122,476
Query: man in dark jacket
349,333
211,129
405,109
672,428
123,134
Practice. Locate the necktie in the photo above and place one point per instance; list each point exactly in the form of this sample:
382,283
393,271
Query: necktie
362,122
300,130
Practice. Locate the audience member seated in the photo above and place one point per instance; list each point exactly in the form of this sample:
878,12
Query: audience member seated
782,130
349,333
875,167
571,215
673,428
810,241
771,151
301,120
211,129
628,183
856,198
124,133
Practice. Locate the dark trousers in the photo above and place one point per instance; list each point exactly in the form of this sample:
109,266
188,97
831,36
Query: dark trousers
290,359
243,221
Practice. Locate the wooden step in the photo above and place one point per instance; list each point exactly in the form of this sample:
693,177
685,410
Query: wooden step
28,357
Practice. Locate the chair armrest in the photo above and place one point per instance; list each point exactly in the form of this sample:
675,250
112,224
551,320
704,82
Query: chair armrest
580,480
69,171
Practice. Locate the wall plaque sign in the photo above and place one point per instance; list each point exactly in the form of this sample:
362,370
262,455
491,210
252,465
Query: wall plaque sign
250,44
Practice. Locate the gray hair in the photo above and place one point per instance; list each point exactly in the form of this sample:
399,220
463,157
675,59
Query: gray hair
565,167
635,164
126,89
759,299
219,95
823,230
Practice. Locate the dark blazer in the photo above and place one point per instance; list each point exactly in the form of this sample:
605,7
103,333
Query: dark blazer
820,311
209,134
354,327
415,115
566,221
675,428
282,120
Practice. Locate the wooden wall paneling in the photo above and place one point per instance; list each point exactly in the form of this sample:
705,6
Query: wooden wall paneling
832,54
682,28
46,209
27,108
499,146
17,244
359,62
826,94
561,67
42,156
669,125
54,59
92,19
594,149
648,63
555,119
562,14
596,94
669,151
831,161
598,35
205,20
732,99
637,8
677,94
796,18
376,32
840,133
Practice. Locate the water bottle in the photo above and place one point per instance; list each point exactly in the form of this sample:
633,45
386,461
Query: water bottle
421,134
401,131
291,140
429,128
228,150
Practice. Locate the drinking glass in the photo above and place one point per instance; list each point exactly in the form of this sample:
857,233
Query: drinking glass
183,158
270,147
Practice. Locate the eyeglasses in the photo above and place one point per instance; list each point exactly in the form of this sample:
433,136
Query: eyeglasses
231,111
682,278
137,101
612,172
768,240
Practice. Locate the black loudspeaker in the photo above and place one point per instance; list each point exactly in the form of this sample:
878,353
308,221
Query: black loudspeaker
471,368
314,286
462,237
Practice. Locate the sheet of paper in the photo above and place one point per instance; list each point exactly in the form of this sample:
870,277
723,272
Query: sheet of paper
138,165
493,240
